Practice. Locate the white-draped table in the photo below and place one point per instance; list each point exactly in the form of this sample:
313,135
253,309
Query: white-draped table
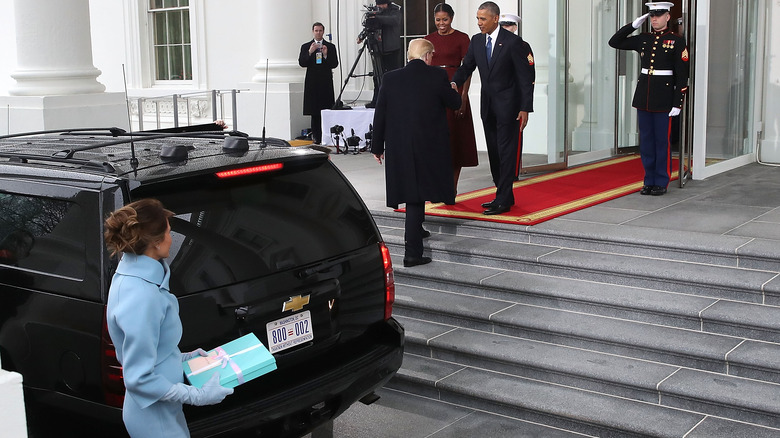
358,119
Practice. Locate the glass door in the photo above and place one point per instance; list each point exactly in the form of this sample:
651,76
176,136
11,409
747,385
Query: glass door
627,75
591,92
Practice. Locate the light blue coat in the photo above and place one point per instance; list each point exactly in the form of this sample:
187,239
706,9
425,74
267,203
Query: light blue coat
143,321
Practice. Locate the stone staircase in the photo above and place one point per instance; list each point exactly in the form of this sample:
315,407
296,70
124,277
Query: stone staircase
594,329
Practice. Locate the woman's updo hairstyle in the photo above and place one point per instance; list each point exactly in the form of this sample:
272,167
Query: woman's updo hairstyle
136,226
444,7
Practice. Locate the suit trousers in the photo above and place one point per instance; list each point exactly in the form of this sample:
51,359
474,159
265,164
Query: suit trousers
654,146
413,240
502,139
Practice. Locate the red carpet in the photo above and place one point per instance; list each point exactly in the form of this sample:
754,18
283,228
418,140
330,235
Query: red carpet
548,196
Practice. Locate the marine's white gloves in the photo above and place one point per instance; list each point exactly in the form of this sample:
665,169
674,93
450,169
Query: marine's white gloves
211,393
638,22
674,112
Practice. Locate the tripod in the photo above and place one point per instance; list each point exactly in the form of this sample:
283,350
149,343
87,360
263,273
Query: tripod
372,43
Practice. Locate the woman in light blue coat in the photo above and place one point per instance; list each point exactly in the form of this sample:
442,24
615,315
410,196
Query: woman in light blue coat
143,321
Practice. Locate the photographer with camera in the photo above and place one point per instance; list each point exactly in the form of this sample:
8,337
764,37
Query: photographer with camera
384,24
319,58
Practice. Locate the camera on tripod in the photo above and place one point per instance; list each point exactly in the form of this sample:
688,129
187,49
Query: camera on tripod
371,24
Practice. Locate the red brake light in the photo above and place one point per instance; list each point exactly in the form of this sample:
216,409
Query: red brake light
249,170
110,370
389,280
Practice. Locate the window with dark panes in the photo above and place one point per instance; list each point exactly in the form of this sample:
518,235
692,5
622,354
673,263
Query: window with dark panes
418,19
170,21
42,235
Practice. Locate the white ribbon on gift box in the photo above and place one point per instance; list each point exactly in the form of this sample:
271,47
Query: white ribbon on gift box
223,359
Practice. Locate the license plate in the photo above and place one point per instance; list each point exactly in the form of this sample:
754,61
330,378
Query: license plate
289,331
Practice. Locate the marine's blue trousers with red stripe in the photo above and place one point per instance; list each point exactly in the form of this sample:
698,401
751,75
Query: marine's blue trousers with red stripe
654,147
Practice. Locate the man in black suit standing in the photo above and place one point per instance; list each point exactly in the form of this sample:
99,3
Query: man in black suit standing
411,135
506,69
319,58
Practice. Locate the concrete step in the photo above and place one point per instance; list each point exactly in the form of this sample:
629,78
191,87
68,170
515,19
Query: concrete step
694,390
714,281
678,347
734,251
560,406
709,315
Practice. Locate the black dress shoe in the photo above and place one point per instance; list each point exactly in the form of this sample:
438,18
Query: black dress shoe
497,209
426,234
416,261
646,190
657,190
488,204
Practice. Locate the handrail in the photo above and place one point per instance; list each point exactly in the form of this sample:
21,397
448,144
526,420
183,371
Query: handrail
217,105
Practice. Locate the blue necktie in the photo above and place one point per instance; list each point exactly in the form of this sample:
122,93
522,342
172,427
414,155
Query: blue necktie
489,48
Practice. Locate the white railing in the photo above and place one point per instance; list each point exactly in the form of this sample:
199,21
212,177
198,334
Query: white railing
191,108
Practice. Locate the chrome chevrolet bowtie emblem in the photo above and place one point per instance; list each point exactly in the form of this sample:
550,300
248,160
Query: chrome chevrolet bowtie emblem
295,304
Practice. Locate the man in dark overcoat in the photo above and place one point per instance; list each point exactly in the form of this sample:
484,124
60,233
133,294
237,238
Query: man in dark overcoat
506,69
660,90
411,135
319,58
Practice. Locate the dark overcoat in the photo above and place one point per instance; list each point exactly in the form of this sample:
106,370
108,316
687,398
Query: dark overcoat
410,128
318,85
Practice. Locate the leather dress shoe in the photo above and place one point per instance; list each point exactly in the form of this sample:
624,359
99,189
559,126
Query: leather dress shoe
646,190
488,204
416,261
497,209
426,234
657,190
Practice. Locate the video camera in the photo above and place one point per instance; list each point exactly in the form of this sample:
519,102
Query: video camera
371,24
336,129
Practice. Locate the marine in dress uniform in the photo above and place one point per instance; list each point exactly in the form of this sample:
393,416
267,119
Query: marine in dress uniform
660,91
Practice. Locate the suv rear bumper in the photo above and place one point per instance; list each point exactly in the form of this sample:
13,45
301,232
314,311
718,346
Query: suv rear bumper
322,395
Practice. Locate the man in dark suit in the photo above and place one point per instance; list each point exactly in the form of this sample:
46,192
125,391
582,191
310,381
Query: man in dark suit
319,58
506,69
411,134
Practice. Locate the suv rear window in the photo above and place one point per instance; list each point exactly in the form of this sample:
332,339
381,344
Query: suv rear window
42,235
231,230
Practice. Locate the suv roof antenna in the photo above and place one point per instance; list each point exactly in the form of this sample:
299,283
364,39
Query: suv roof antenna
133,158
265,99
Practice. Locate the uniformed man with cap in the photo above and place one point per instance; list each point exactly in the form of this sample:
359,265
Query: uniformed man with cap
660,90
509,22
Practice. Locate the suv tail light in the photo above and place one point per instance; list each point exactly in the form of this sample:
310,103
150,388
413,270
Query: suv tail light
389,280
110,370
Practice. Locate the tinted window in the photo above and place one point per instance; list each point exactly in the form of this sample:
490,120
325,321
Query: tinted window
41,235
228,231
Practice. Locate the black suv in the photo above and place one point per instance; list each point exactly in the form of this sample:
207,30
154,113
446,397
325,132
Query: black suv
262,231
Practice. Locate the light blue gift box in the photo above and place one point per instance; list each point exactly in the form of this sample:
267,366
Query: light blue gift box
237,362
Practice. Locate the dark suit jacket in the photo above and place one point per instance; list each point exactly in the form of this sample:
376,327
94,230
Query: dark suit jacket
508,82
410,128
318,85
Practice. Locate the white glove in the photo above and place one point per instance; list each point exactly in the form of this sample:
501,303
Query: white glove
199,352
638,22
674,112
211,393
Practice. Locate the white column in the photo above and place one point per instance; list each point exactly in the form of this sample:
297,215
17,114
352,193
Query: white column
54,49
281,31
